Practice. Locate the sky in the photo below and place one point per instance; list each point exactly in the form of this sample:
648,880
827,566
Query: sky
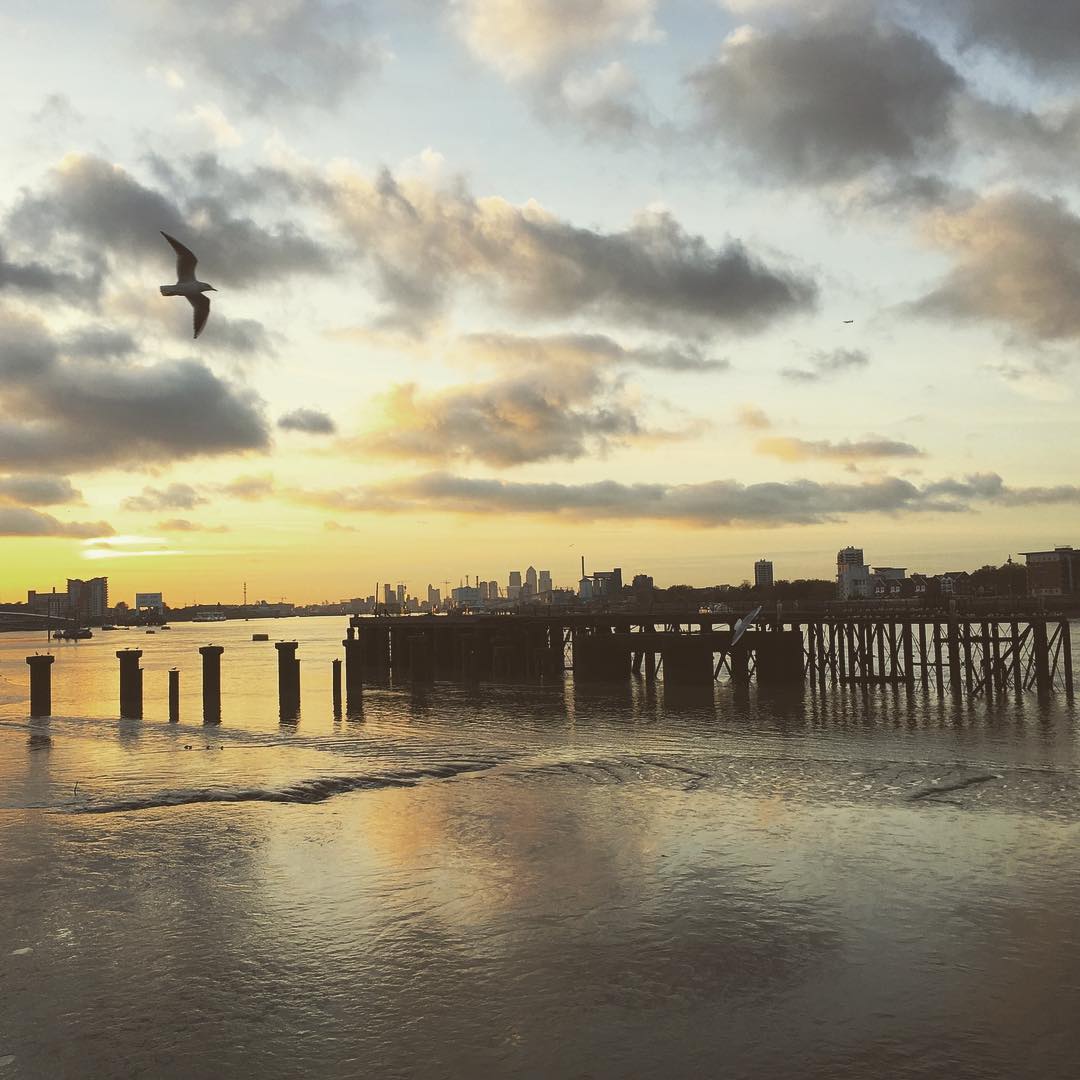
670,285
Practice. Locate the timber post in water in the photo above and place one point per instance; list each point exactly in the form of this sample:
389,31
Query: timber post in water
131,684
985,654
211,683
288,679
40,685
174,695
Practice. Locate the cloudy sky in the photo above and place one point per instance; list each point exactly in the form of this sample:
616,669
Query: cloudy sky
671,284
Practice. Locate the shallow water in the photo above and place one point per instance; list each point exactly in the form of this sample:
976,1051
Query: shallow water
528,881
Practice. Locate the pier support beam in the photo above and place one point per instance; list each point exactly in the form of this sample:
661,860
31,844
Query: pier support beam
131,684
211,683
288,679
40,685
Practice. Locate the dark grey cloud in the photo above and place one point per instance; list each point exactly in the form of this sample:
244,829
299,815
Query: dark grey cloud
1016,262
22,521
40,282
824,365
715,503
559,350
79,413
847,450
311,421
1041,33
35,490
176,496
102,208
989,487
832,97
100,342
424,243
266,55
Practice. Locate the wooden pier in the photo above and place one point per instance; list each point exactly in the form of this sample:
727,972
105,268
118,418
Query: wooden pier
973,656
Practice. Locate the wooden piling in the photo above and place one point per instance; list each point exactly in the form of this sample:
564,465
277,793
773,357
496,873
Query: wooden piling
1041,650
1066,657
335,682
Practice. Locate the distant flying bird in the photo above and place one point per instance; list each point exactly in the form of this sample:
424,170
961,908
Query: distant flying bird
188,285
848,322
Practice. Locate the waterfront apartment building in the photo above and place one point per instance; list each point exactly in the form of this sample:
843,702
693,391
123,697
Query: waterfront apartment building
1053,573
88,599
763,574
852,575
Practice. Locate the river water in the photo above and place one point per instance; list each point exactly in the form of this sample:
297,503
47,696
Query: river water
528,881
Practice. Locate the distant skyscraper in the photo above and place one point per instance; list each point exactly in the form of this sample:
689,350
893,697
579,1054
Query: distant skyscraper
763,574
530,581
544,582
401,595
433,597
388,595
515,579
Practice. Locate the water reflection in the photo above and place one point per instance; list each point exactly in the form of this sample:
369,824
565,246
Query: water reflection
533,881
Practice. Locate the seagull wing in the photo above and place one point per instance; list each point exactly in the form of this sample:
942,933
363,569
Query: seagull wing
185,260
201,304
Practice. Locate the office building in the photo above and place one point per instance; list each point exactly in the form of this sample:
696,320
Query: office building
763,574
543,584
149,601
530,581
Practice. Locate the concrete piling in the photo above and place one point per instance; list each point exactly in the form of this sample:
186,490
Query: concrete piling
211,683
288,679
131,684
40,685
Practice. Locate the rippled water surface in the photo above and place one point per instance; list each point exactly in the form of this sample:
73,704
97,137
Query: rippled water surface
527,880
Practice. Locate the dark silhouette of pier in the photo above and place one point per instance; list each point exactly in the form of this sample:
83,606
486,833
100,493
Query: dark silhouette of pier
983,655
978,656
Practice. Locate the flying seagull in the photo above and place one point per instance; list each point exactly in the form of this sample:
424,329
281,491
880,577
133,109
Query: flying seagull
188,285
848,322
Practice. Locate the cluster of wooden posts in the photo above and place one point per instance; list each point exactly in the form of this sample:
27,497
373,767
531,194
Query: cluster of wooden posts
978,657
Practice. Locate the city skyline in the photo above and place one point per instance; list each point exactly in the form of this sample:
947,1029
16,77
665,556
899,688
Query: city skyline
617,297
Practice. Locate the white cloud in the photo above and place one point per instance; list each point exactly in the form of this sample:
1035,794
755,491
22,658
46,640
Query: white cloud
521,38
